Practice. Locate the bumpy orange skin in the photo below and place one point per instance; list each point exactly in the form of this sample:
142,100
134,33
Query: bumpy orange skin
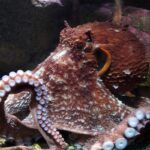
129,65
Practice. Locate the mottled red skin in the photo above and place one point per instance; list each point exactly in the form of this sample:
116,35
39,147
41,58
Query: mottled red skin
72,82
126,50
11,124
94,102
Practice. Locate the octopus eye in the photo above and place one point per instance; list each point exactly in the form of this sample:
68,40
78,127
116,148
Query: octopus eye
89,36
89,42
88,47
79,44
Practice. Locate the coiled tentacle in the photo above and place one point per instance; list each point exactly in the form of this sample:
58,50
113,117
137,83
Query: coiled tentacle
15,81
128,129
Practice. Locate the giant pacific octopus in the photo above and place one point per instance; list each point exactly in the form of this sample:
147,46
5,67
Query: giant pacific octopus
68,91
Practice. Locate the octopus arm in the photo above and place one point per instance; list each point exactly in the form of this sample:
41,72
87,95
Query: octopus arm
15,82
